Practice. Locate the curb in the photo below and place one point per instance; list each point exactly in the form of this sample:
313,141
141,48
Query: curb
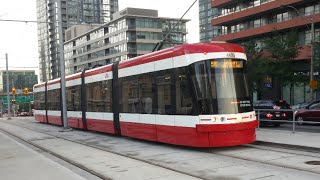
290,146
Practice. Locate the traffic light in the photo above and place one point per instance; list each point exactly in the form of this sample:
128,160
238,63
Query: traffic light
25,90
13,101
13,90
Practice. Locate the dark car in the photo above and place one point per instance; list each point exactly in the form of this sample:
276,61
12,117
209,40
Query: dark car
310,113
272,115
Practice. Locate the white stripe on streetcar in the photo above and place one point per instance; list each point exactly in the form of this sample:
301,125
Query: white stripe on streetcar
100,116
175,62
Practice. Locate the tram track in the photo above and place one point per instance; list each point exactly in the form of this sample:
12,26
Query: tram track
290,150
236,153
88,145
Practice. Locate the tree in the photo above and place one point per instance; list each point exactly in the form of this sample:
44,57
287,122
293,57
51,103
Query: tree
283,49
256,66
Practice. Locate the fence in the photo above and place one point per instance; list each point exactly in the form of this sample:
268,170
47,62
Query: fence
290,120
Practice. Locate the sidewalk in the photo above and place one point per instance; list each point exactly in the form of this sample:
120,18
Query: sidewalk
288,138
17,161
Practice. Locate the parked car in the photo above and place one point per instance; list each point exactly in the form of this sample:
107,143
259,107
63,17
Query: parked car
272,115
300,105
309,113
24,114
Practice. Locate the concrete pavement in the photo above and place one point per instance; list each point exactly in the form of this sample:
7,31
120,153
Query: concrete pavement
20,162
17,162
288,138
147,160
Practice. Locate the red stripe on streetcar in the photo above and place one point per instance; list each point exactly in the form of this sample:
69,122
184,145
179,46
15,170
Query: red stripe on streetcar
56,81
39,85
99,70
155,56
75,76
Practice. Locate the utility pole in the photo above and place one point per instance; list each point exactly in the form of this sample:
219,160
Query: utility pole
312,55
63,80
8,95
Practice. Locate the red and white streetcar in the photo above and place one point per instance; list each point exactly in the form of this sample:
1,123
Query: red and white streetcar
191,95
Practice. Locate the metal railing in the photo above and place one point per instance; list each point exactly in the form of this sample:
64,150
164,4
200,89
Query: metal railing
291,119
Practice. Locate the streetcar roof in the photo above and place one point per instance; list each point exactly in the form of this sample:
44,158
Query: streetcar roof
182,50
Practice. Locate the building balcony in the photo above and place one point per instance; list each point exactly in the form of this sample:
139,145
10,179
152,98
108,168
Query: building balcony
262,30
219,3
250,11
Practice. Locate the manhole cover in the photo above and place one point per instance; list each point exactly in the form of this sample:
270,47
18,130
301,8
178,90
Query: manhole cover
313,162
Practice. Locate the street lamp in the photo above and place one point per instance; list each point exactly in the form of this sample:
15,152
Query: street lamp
312,82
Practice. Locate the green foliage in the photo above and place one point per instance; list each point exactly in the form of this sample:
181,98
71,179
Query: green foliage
275,60
317,52
283,50
256,65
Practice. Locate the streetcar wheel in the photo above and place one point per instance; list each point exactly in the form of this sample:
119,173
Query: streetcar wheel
299,120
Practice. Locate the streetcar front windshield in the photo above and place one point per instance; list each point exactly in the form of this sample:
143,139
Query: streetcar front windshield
221,86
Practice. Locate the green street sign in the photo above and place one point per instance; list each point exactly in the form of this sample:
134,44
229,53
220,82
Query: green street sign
19,99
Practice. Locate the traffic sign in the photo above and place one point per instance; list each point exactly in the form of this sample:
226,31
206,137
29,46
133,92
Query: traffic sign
313,84
19,99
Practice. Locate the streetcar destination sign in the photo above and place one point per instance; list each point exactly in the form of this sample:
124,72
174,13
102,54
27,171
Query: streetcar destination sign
227,63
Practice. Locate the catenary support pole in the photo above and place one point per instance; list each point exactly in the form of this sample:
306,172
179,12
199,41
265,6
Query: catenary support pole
7,78
63,80
312,57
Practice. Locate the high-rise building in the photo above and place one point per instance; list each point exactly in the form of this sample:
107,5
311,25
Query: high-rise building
242,21
206,14
132,32
73,12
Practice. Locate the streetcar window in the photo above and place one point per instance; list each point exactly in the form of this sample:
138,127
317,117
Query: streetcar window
73,98
53,99
57,100
130,95
163,85
136,95
99,96
183,92
39,100
145,92
218,84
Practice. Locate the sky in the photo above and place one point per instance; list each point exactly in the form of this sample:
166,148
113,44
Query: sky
19,39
